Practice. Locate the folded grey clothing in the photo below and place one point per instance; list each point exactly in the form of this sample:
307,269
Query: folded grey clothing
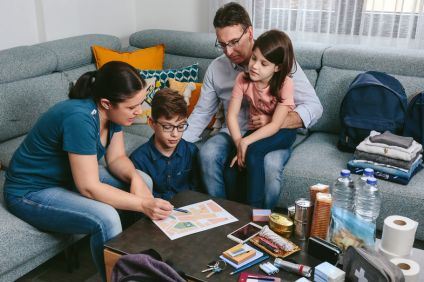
361,155
391,139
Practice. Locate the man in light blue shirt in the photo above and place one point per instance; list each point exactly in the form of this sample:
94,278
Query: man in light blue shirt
235,37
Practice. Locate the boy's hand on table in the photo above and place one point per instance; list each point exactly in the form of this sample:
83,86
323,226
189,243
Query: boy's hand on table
156,208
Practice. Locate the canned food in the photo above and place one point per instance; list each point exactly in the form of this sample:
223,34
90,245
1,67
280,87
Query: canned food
303,210
281,224
291,211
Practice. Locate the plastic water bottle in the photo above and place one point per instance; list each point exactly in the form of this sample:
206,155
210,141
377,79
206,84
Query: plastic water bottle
343,193
362,181
368,201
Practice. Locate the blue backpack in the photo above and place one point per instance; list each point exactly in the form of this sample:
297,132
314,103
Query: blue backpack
374,101
414,121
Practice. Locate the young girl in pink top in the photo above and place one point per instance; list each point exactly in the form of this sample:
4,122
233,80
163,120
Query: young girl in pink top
268,87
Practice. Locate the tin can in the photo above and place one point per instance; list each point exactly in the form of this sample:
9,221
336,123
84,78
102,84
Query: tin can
281,224
303,210
291,211
302,230
303,217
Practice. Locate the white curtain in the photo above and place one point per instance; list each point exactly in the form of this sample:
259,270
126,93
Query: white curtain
359,20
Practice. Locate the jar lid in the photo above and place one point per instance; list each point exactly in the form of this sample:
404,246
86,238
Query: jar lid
280,219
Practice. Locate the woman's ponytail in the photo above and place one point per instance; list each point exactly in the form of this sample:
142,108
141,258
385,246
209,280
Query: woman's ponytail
115,81
83,88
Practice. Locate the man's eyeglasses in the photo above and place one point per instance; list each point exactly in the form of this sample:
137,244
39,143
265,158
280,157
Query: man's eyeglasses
169,127
221,46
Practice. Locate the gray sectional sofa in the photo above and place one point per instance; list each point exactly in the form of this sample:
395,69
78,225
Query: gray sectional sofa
32,78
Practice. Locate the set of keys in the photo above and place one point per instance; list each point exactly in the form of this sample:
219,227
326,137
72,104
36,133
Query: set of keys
215,267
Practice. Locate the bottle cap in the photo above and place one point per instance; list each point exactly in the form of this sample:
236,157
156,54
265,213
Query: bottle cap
368,171
371,181
345,172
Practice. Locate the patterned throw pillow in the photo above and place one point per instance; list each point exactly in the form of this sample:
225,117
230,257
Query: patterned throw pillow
186,74
146,110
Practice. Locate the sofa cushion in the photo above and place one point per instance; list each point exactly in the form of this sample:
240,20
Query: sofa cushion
309,55
405,62
73,74
22,102
133,141
317,160
8,148
25,62
188,44
30,247
147,58
74,52
143,130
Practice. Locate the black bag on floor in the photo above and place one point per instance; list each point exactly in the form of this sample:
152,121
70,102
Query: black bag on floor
366,263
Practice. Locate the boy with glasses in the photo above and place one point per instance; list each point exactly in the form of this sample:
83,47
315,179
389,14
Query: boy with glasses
234,36
170,161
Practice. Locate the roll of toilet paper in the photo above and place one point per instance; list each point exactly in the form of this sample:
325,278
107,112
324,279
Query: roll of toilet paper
410,268
398,235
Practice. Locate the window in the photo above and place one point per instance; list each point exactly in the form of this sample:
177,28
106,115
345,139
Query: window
382,18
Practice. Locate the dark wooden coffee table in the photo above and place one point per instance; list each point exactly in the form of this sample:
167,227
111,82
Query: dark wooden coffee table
192,253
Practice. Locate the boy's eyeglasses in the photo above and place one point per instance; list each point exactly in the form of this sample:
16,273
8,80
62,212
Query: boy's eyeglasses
169,127
221,46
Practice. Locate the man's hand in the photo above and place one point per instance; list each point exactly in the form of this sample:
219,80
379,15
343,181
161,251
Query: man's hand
259,121
156,208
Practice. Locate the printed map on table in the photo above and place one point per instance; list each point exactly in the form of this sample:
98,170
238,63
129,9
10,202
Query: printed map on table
202,216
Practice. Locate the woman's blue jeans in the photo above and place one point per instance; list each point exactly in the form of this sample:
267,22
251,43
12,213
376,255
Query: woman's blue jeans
61,210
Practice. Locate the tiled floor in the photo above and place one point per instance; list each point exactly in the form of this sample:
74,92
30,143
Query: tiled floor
56,269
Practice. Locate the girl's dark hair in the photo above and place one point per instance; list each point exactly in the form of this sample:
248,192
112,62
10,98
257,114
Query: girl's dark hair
115,81
231,14
168,103
277,48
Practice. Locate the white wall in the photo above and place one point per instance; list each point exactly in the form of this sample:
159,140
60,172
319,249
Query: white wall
18,23
26,22
185,15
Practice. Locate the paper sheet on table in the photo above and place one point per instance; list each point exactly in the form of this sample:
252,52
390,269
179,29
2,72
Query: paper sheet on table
202,216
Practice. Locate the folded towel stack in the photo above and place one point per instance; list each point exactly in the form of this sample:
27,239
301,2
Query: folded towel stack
393,158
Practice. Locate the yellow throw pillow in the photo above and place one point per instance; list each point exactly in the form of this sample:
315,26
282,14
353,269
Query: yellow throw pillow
183,88
146,109
145,59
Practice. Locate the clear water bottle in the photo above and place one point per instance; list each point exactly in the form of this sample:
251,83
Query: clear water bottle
368,201
343,193
368,173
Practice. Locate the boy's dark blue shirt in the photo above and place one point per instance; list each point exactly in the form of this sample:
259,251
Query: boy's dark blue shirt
172,174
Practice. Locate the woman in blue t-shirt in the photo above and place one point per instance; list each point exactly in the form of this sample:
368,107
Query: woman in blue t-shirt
54,181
